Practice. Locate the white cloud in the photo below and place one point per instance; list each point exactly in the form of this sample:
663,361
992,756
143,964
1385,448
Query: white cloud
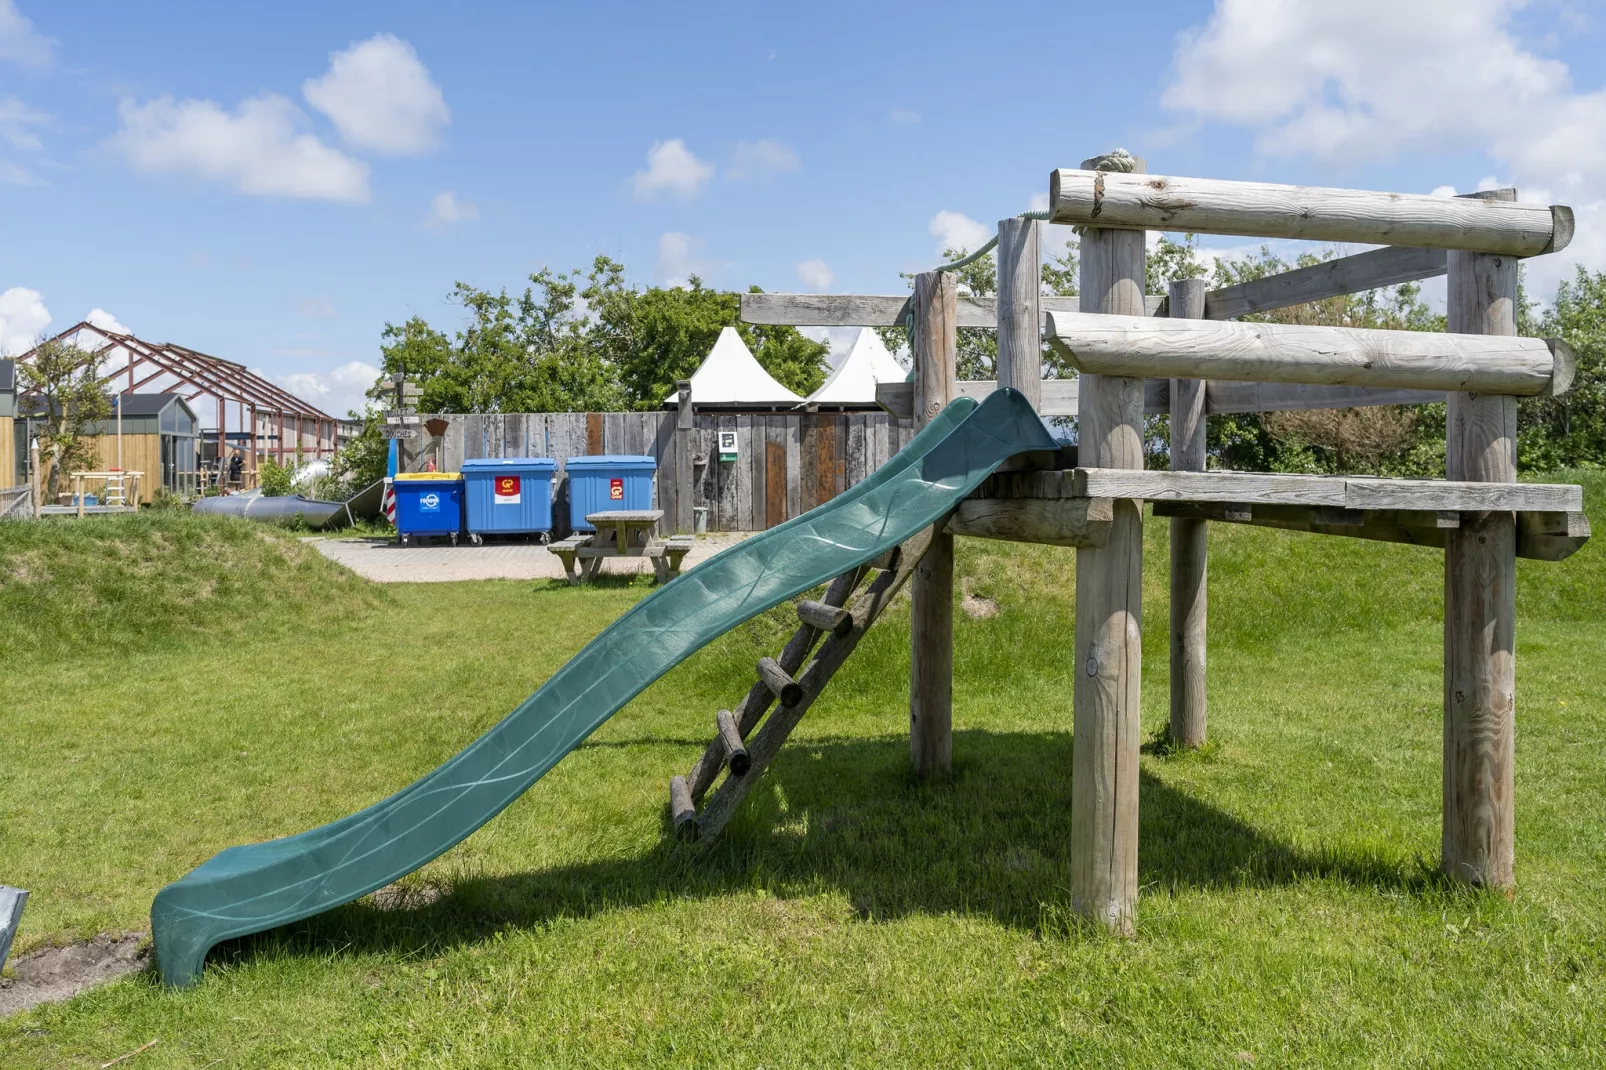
671,168
445,209
20,43
337,392
1365,80
1038,202
255,149
17,124
381,97
760,161
677,258
905,116
99,317
321,307
816,275
23,316
957,231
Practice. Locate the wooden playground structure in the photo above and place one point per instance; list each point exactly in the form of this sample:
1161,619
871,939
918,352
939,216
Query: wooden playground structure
1136,354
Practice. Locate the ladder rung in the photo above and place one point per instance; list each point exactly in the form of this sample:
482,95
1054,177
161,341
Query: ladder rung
681,809
833,619
780,682
735,751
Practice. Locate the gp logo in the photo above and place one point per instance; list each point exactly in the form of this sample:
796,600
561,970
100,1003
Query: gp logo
616,490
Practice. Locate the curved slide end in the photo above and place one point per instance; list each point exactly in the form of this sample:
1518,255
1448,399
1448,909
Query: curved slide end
257,887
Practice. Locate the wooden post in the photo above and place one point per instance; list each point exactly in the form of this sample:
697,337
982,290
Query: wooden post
1109,602
931,630
1189,544
1020,344
36,482
685,478
1480,597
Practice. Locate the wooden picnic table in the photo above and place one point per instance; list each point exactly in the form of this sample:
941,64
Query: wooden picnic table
621,533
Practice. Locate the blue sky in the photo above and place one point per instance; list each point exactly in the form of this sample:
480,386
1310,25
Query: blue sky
273,182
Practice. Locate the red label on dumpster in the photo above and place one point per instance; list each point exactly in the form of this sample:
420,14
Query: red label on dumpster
616,490
507,490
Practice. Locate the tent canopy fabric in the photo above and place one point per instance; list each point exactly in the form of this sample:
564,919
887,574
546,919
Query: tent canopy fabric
855,379
730,375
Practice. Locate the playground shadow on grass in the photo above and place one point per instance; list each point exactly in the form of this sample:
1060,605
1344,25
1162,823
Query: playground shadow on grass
847,815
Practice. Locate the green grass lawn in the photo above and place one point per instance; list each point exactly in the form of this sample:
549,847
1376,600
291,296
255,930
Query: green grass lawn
850,916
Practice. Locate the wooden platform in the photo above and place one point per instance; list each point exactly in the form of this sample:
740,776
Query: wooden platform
1070,507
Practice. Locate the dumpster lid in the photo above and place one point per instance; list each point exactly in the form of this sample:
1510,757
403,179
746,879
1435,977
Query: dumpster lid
430,477
611,460
481,464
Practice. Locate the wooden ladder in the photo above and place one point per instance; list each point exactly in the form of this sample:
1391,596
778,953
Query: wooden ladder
743,747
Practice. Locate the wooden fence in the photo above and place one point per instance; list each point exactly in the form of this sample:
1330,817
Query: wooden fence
786,463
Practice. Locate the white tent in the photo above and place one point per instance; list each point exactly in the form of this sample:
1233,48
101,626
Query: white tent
729,375
855,379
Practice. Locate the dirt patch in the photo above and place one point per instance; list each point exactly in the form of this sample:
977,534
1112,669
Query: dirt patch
400,896
978,608
52,974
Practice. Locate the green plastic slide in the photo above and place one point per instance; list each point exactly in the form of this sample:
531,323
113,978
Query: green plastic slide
260,886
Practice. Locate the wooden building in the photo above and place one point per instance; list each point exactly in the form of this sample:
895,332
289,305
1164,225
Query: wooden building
13,460
160,439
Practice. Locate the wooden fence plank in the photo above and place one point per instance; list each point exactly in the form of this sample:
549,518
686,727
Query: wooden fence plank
794,466
775,511
593,434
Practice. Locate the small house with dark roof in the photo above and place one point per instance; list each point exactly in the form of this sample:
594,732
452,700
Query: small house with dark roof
160,439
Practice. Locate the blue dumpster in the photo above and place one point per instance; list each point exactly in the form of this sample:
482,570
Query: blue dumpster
429,503
508,495
613,481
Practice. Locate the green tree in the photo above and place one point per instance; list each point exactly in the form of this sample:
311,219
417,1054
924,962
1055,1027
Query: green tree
67,391
657,336
1389,440
1570,431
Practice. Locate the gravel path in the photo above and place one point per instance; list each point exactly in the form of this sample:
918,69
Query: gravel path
383,561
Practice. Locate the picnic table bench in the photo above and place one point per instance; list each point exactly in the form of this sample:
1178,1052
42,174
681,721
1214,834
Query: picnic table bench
621,533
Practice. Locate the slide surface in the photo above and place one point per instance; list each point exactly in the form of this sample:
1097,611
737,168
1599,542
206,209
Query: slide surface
260,886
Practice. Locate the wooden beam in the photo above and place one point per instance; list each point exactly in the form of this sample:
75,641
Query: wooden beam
1270,210
1190,542
1541,536
766,742
1343,492
1020,339
1478,837
1054,521
935,346
1388,266
850,310
1107,657
1230,397
1293,353
1057,397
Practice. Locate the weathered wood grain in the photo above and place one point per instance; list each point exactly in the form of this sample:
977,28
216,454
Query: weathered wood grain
1054,521
935,346
759,697
848,310
1020,349
1313,213
1229,397
1107,655
1478,839
1350,492
763,745
1294,353
1388,266
779,681
1190,542
730,740
681,810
